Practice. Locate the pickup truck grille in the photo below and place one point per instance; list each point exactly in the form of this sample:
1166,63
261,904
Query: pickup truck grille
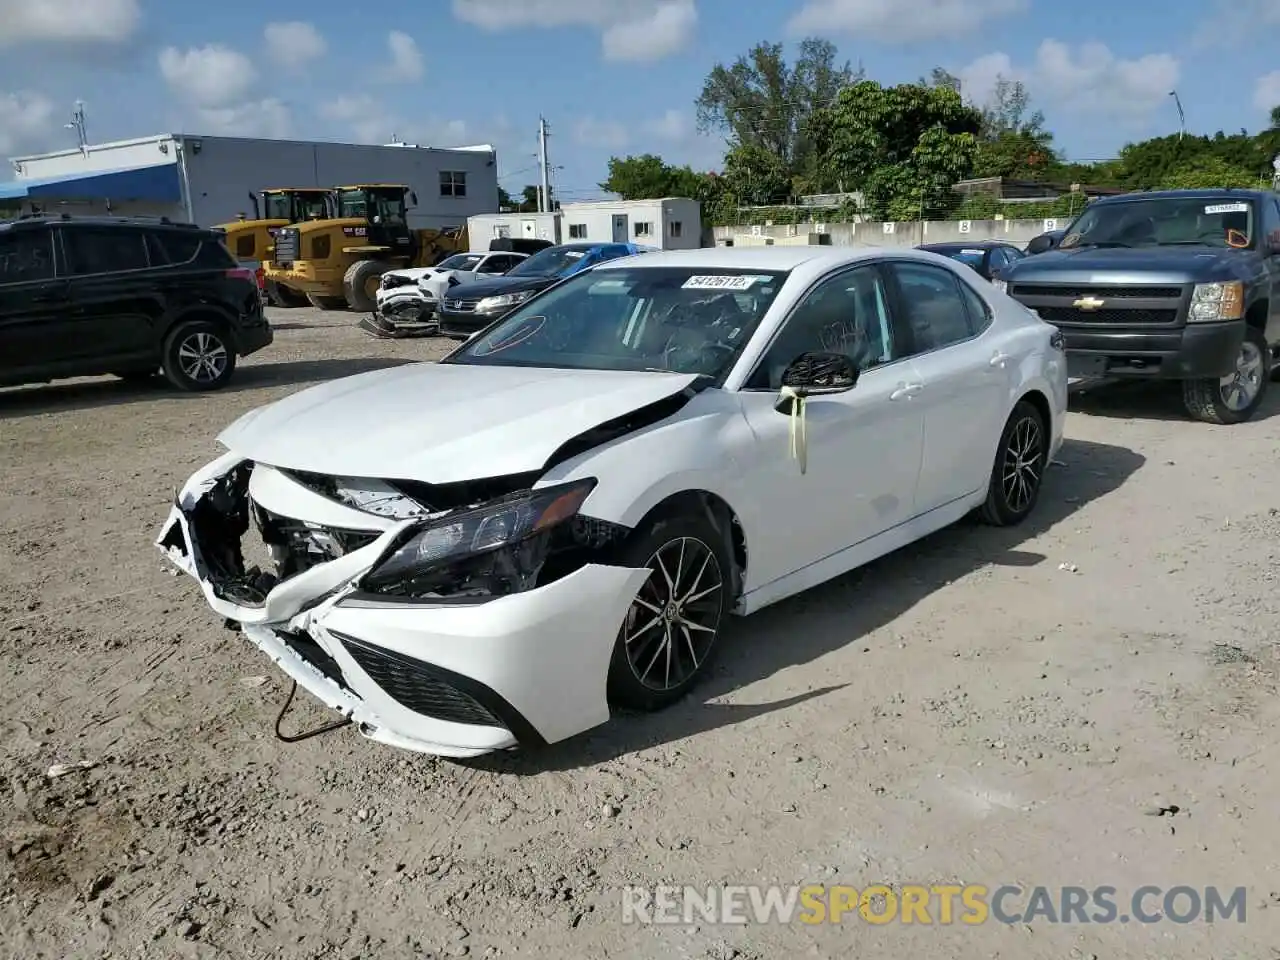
288,246
1102,305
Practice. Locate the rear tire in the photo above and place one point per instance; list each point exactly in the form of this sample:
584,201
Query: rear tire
1018,471
668,637
279,295
1236,397
198,356
326,303
360,284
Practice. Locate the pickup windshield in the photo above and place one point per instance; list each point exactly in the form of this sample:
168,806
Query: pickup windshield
1164,222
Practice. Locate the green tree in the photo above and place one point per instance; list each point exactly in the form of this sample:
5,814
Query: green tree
754,176
905,146
763,103
1210,171
649,177
1014,142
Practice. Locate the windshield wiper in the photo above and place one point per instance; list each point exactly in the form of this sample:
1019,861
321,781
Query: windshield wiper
1081,244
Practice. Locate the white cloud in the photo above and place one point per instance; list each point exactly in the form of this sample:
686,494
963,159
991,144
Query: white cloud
630,30
294,43
674,126
606,134
1266,92
1088,77
886,20
406,63
366,119
210,76
268,118
1230,21
26,121
68,21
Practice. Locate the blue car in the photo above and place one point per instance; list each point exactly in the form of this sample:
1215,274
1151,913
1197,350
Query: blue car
471,308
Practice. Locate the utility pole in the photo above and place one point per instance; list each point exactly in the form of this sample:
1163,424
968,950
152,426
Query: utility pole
1182,117
77,124
544,190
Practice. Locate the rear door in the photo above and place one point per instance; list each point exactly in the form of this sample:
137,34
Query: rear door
963,379
32,303
116,303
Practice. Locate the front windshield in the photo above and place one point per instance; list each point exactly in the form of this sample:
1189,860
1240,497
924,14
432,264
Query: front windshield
1162,222
459,261
278,207
311,206
548,262
679,319
353,204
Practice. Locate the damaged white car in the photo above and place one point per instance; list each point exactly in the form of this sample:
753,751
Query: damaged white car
407,300
627,459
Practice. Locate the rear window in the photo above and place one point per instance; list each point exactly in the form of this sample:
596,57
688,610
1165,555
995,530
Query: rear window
177,247
26,256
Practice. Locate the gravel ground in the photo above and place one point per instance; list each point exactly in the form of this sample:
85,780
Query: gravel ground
987,706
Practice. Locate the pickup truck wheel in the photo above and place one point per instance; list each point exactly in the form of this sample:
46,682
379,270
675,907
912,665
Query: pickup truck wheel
1235,397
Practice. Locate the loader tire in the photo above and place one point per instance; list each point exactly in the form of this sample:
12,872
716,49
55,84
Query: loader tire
361,282
326,303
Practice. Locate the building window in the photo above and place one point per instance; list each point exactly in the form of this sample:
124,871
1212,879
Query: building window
577,231
676,228
453,183
644,229
502,232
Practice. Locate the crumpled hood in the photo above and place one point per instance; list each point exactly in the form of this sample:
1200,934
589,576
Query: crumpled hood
412,273
441,423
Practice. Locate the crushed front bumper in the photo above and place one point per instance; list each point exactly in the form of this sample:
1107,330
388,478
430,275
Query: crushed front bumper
455,679
402,312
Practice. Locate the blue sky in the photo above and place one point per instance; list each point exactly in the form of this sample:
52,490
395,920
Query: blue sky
611,76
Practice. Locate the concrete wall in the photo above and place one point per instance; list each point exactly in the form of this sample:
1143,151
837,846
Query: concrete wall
906,234
485,227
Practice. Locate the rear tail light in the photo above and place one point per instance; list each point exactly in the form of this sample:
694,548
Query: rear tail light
242,273
261,276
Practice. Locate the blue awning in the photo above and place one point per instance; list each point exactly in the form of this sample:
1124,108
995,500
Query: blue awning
158,182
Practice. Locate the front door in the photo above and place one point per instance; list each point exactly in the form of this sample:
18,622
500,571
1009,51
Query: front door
620,228
863,446
964,380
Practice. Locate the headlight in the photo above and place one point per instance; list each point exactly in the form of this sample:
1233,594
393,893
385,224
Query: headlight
503,301
1217,301
1000,285
483,531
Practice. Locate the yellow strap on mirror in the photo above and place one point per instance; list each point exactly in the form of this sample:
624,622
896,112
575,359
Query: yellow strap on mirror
798,435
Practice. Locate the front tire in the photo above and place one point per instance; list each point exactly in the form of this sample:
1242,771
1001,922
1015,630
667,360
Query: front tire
361,282
1019,467
1236,397
198,356
669,634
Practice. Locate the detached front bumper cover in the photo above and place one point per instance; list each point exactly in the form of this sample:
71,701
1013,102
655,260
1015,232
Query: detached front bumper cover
456,678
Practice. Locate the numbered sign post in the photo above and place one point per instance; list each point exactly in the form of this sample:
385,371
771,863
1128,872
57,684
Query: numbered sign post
965,226
888,228
1050,225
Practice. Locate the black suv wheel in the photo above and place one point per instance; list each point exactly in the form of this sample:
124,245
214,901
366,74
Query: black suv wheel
198,356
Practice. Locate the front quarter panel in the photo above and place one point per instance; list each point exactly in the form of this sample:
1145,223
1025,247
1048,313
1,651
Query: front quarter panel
692,450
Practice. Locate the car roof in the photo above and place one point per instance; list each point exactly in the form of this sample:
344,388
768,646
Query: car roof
959,245
1214,193
754,258
65,219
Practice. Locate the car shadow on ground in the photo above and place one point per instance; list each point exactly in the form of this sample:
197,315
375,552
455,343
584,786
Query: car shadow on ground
831,616
110,391
1150,401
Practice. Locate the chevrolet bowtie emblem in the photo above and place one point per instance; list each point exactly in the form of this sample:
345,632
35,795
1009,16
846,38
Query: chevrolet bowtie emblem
1088,303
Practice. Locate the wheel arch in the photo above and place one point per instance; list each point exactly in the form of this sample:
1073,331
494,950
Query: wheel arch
719,513
200,313
1257,313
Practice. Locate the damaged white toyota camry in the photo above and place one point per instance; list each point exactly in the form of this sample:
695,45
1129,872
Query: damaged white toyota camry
489,551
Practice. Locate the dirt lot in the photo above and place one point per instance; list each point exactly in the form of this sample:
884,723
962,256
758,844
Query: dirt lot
988,707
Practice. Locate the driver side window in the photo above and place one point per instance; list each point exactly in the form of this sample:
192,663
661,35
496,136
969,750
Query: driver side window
846,314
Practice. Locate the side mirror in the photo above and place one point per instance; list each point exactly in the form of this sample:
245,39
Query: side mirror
1041,244
816,374
413,198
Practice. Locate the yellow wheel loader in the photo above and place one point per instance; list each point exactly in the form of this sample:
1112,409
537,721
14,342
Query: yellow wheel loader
339,262
254,240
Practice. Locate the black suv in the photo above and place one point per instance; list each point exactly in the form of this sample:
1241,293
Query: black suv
82,296
1179,285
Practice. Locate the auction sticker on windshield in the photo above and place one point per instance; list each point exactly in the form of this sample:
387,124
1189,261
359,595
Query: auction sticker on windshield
719,283
1227,208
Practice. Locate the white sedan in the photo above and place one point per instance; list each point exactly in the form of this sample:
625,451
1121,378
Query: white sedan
407,298
606,475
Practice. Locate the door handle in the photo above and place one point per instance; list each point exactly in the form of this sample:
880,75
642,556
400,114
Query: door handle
906,390
999,360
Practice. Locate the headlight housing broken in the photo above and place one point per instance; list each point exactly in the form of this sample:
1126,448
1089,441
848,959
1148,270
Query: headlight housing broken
491,549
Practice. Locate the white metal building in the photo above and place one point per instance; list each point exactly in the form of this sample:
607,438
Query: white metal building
672,223
208,180
486,227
